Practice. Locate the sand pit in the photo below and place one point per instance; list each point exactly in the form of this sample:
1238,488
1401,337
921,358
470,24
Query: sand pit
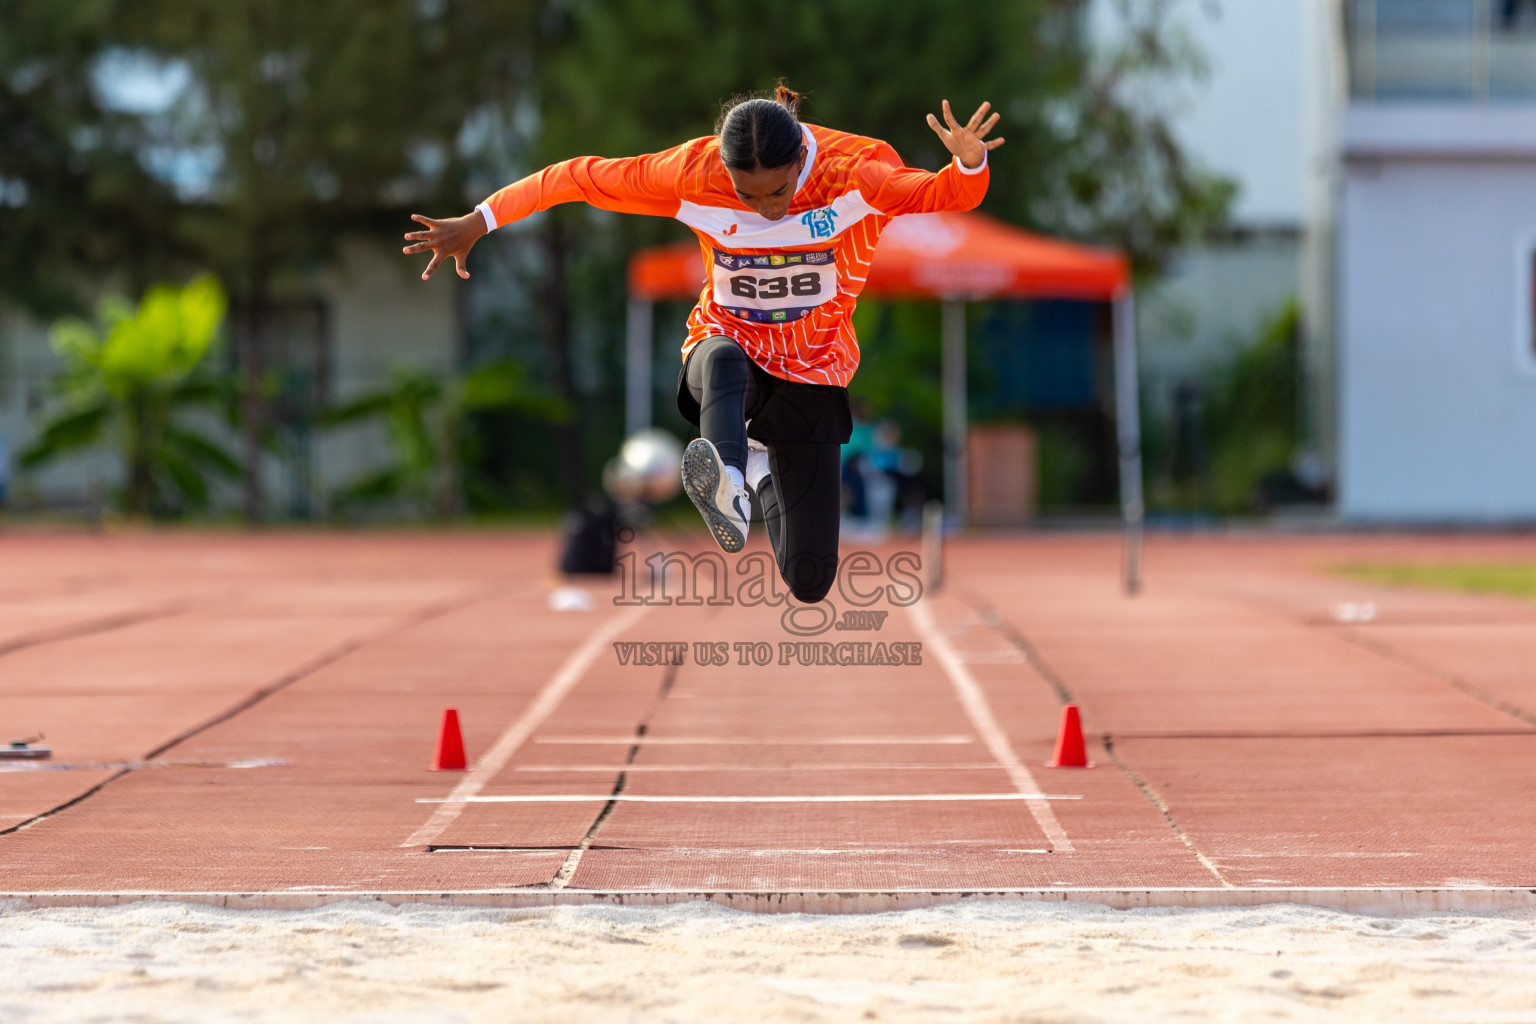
699,962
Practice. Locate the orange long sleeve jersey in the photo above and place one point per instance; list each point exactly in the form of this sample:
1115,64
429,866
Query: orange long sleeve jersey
784,290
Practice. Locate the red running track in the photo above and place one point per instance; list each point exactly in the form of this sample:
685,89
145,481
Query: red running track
254,714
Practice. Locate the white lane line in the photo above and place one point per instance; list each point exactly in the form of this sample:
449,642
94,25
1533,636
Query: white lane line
749,852
820,766
883,798
736,741
980,712
533,716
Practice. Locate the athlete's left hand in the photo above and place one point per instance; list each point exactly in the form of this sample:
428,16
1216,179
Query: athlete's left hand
966,141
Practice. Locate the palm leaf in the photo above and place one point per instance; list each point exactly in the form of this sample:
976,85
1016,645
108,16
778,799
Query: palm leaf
70,431
202,389
201,452
385,484
362,408
184,476
504,386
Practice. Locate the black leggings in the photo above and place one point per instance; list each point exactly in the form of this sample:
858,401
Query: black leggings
802,497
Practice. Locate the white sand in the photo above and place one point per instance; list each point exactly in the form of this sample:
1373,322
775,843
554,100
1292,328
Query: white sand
697,962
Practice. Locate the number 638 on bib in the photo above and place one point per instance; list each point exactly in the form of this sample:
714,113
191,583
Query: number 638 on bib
773,287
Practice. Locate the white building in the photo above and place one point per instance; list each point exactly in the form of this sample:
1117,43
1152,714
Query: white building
1385,152
1437,262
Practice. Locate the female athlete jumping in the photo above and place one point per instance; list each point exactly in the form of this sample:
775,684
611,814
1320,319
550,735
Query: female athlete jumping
788,216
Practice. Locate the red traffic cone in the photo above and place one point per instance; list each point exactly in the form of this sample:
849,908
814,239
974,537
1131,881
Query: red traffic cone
449,756
1070,750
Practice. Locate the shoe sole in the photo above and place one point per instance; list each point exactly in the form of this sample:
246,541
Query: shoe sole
701,481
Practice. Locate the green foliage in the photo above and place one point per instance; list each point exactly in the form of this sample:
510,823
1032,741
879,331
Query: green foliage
1507,580
129,379
1252,415
1065,464
75,199
426,420
1118,172
301,122
1233,451
308,120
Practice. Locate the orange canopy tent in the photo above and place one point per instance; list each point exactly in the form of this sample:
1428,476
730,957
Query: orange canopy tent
955,258
931,255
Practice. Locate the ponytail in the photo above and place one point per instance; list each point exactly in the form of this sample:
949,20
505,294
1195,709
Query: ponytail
787,98
761,134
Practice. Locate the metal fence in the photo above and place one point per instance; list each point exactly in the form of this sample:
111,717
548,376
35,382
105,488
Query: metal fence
1459,50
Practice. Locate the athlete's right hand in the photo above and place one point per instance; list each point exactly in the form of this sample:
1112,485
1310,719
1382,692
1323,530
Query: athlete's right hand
451,238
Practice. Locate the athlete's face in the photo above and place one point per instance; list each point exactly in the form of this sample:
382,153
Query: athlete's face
767,192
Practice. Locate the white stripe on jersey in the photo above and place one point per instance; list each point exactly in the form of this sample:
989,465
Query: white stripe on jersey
743,229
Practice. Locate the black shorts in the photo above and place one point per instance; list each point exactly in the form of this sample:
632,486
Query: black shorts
788,410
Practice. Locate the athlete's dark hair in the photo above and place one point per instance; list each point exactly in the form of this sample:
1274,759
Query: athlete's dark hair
761,134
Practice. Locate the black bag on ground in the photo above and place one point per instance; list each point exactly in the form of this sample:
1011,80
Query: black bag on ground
590,540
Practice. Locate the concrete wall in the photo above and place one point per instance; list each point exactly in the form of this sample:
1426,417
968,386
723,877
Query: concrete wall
1438,374
382,318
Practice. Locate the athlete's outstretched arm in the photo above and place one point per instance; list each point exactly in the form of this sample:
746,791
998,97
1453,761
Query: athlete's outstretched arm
895,190
636,184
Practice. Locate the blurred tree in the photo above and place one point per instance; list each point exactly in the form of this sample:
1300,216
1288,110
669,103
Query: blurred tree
75,201
313,119
1090,152
295,121
1118,174
131,377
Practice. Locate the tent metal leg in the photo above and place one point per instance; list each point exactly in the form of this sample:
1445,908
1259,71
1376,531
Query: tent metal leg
637,367
953,393
1128,432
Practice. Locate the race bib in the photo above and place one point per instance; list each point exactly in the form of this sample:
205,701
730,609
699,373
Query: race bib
773,288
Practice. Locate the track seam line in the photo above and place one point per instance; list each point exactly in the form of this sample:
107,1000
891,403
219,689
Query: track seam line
1350,633
1162,805
573,860
92,627
977,708
1447,677
544,704
990,616
335,654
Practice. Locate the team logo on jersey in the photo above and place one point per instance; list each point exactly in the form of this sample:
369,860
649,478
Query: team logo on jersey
820,222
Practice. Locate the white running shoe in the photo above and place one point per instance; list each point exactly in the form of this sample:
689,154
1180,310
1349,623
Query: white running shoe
757,465
724,506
